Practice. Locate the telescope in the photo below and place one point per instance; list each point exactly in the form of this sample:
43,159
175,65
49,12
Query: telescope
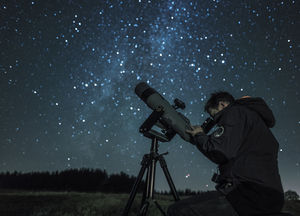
165,116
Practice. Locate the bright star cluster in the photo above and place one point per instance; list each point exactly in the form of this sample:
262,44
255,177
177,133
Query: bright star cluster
68,70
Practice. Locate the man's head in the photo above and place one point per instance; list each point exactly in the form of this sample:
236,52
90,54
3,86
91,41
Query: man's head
217,102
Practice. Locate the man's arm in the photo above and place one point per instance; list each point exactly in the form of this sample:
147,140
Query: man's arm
223,144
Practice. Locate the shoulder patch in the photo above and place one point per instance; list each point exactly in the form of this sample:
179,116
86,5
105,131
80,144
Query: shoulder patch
219,132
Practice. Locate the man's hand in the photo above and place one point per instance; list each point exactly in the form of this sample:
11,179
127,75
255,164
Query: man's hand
195,130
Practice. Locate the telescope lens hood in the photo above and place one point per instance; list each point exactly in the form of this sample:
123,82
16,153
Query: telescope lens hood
144,91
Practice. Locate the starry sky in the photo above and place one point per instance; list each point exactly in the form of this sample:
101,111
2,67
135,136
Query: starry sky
68,70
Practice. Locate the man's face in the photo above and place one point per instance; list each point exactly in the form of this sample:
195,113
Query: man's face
221,106
213,111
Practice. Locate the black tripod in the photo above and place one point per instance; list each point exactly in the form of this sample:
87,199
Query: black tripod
149,163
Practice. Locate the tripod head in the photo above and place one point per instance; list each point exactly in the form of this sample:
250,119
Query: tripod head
166,133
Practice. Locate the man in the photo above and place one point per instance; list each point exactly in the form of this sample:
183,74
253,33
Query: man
246,153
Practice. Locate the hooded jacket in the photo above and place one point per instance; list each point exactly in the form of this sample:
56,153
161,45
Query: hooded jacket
243,145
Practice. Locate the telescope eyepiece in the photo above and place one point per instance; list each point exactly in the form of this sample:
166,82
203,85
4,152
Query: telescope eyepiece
179,104
208,124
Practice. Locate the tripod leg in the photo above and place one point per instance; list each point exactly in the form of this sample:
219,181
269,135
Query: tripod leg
145,190
160,208
136,185
144,209
164,167
149,189
151,178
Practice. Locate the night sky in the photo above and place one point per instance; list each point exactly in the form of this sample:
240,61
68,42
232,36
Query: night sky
68,70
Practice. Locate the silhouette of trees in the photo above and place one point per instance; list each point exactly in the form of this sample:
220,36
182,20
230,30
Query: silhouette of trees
291,195
83,180
88,180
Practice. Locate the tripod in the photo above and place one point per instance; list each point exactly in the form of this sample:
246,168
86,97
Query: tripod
149,163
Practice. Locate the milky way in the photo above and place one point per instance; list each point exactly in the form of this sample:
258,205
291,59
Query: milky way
68,71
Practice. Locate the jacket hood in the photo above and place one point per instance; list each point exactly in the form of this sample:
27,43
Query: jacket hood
259,106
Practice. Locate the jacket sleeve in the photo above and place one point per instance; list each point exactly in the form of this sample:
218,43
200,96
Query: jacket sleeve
223,144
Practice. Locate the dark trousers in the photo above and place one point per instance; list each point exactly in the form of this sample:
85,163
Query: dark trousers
245,200
250,199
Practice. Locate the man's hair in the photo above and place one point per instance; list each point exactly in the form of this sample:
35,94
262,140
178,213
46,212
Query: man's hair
215,98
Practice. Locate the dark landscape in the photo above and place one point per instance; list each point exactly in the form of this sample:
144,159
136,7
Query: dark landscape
68,193
25,203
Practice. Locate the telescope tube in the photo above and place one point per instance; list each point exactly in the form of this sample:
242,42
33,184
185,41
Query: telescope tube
177,121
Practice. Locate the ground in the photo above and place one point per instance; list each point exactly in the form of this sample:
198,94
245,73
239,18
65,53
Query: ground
24,203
